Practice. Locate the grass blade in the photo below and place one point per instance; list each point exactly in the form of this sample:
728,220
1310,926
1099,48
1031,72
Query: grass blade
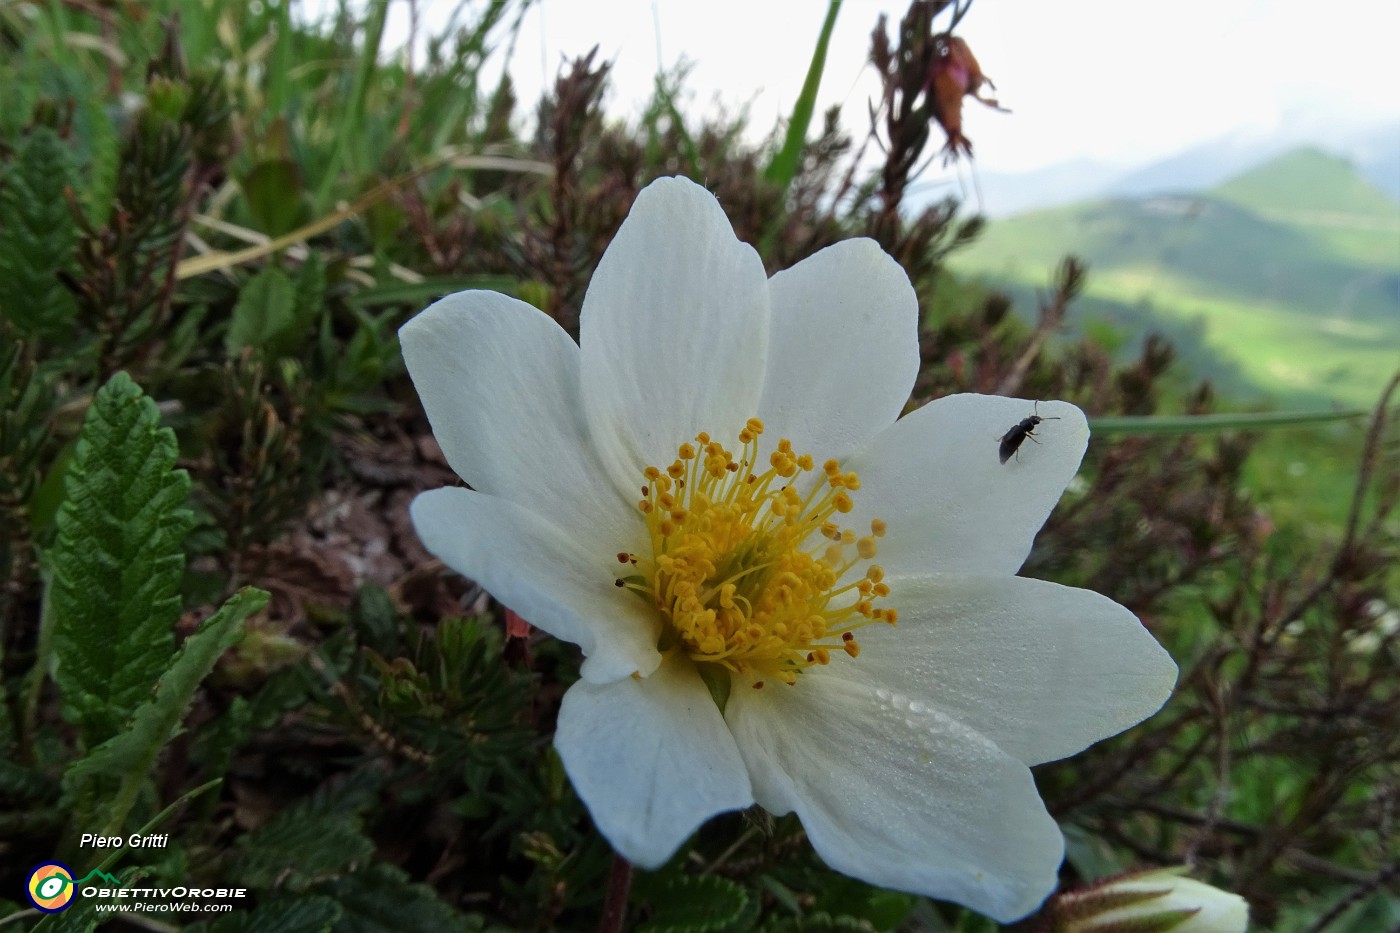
1212,424
784,165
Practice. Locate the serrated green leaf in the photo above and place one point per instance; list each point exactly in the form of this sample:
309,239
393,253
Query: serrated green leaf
117,562
381,899
310,914
102,144
696,904
37,237
264,315
109,777
300,846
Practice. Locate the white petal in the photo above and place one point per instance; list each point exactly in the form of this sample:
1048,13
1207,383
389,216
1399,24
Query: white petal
674,330
532,567
952,507
902,798
844,349
1041,669
499,381
652,759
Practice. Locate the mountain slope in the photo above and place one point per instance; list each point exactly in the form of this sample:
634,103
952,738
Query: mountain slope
1306,180
1289,271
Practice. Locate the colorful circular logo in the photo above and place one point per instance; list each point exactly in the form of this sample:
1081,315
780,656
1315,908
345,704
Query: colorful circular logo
50,887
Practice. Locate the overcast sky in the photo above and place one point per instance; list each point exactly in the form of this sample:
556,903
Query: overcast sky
1115,81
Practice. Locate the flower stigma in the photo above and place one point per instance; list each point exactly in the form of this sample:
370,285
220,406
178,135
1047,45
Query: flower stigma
744,569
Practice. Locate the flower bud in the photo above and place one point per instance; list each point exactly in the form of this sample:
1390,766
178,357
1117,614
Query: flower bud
1159,901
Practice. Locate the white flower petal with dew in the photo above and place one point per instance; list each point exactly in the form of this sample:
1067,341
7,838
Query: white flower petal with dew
905,752
899,793
1041,669
666,733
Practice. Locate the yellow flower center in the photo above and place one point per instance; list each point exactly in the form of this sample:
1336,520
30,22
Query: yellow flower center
745,569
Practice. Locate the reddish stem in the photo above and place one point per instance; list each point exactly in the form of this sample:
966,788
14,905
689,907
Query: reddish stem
615,903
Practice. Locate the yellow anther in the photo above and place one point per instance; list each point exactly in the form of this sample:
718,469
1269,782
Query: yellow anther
747,562
878,527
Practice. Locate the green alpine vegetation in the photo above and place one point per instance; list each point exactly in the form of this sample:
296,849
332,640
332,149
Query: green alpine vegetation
1282,282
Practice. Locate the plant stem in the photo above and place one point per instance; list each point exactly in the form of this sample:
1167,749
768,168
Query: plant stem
615,902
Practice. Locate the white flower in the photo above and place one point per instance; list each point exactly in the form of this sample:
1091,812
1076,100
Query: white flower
905,748
1160,901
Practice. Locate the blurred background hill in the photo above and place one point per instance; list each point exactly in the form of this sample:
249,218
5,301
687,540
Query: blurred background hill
1281,281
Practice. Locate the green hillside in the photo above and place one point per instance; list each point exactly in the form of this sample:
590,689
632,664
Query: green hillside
1307,180
1285,278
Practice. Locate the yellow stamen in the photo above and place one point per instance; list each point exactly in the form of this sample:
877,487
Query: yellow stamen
743,568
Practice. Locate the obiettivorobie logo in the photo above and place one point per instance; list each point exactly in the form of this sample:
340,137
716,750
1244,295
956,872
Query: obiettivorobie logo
51,885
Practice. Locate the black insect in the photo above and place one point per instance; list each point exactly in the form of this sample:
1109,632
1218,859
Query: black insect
1012,440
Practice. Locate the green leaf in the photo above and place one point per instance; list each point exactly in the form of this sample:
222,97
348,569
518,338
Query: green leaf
696,904
311,292
275,196
784,165
265,313
300,846
313,914
107,780
117,562
431,289
103,159
381,899
37,236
